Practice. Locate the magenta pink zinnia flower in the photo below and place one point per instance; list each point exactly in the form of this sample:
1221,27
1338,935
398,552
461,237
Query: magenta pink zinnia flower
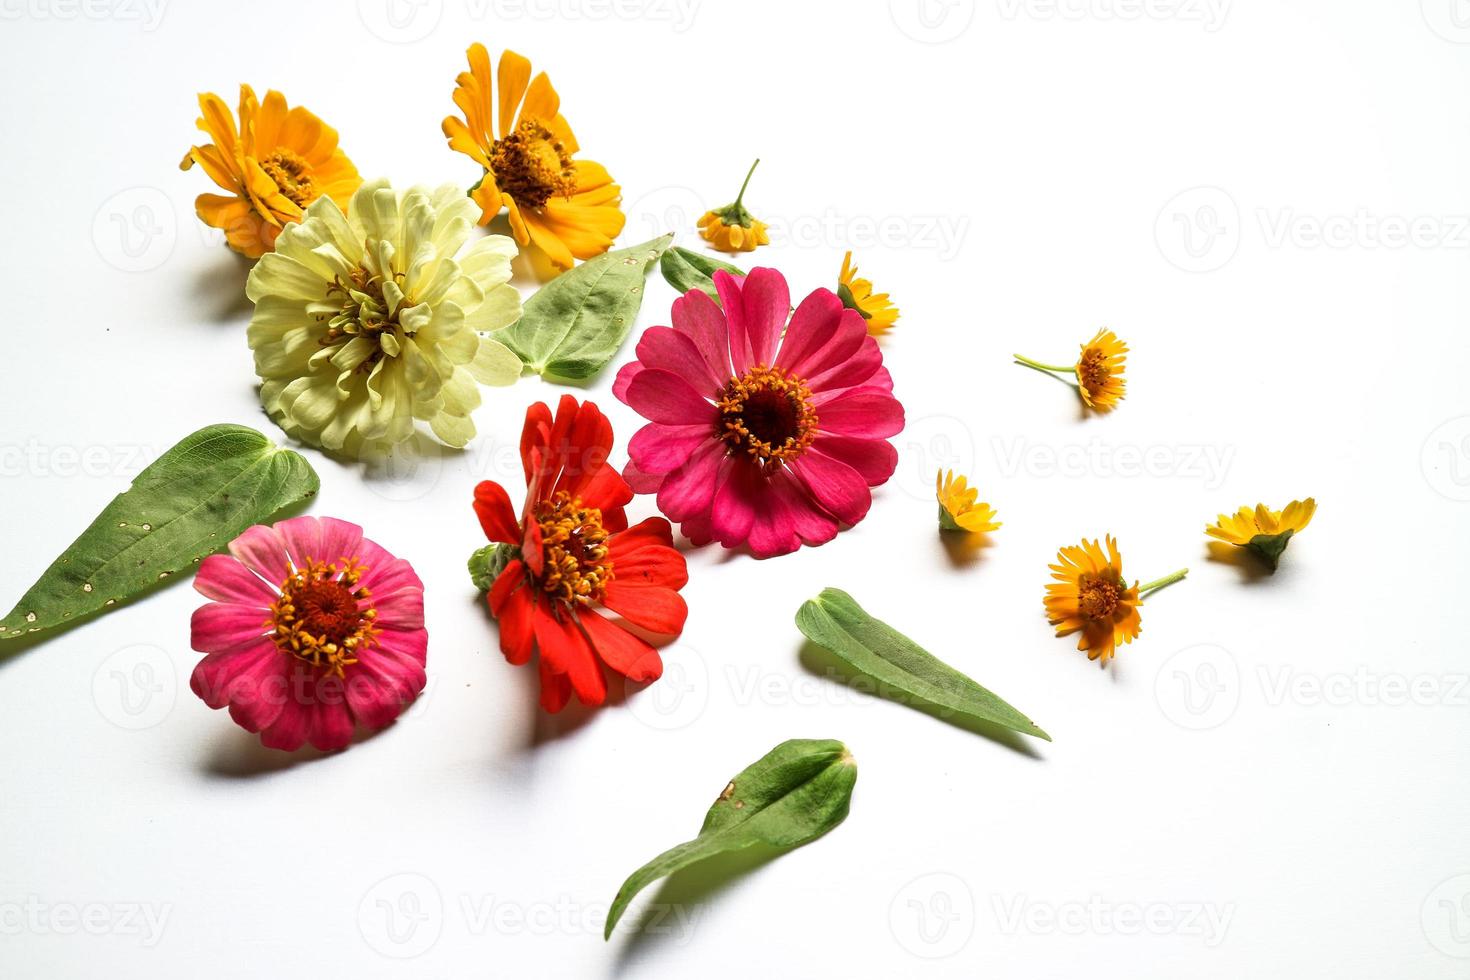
756,438
313,630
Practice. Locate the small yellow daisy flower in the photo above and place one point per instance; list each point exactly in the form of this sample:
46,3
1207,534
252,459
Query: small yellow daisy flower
1091,596
1265,532
857,294
732,228
1099,370
958,508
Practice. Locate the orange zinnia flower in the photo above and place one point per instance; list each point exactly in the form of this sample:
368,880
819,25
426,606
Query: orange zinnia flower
277,162
567,208
1091,596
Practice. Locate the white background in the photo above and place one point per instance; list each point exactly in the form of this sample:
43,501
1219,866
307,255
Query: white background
1268,783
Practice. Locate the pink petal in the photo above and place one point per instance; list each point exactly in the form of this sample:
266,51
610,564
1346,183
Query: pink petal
400,610
664,348
222,577
789,519
262,693
216,678
869,413
732,514
689,490
289,729
873,458
812,327
854,371
331,725
640,481
660,448
221,625
263,551
385,573
663,396
625,377
696,315
839,488
765,302
842,343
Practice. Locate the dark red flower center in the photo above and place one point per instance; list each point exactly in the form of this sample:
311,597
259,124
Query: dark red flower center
767,414
320,618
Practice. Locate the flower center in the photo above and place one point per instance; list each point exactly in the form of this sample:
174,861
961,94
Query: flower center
1097,598
574,549
366,312
1093,370
531,165
768,414
292,176
319,617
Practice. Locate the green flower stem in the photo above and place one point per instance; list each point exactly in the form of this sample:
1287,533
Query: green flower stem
1043,367
1159,583
741,196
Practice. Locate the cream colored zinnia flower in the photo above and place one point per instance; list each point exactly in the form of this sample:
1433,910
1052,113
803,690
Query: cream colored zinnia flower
364,323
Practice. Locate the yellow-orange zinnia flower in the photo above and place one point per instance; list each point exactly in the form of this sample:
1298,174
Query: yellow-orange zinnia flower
1091,596
732,228
959,508
857,294
1099,370
1265,532
567,208
274,164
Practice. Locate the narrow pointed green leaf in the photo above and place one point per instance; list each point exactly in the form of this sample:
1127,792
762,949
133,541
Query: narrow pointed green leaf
189,503
792,795
835,621
575,323
686,270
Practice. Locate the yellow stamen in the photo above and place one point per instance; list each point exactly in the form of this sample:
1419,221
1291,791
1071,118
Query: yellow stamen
573,548
320,618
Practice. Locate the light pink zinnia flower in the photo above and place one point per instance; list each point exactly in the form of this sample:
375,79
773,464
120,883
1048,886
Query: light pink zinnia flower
314,629
756,438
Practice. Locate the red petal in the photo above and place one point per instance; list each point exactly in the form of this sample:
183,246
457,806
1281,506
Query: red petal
622,651
497,517
564,649
513,605
652,607
556,690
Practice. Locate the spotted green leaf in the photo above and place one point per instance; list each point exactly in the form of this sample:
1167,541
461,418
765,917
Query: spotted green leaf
835,621
792,795
572,326
686,270
189,503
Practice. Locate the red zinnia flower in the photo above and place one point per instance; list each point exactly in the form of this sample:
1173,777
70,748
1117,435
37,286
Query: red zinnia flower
571,552
758,437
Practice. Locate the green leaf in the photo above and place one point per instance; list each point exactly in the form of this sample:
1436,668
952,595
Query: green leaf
1270,546
686,270
575,323
835,621
793,794
189,503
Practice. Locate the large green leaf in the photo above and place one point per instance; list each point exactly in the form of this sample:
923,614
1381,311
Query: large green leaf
794,794
574,324
189,503
686,270
835,621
